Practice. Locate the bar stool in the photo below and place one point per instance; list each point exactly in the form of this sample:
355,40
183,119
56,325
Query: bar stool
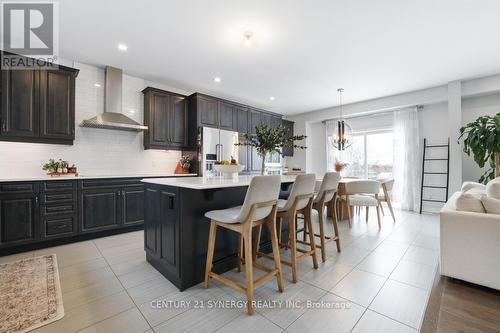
259,208
326,195
299,202
363,193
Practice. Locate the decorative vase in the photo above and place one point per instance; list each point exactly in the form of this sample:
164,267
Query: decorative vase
180,170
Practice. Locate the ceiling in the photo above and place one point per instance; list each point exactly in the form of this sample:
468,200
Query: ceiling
302,50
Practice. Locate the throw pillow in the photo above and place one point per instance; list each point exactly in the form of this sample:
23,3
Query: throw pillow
493,189
470,201
469,185
491,205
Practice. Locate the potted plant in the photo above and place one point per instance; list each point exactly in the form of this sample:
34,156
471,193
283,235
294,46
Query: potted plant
183,165
482,139
268,140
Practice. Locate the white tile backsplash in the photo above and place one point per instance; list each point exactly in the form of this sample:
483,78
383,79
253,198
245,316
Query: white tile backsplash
95,151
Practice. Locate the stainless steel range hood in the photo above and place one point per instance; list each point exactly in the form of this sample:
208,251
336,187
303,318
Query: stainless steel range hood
112,118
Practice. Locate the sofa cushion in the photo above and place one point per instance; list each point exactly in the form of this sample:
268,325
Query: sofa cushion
491,205
469,185
493,189
470,201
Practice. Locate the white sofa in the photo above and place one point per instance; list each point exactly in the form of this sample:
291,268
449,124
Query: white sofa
470,245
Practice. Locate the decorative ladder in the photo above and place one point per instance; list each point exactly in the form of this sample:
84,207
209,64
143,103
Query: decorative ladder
447,173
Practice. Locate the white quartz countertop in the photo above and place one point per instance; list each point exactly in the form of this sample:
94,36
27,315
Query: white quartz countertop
83,176
204,183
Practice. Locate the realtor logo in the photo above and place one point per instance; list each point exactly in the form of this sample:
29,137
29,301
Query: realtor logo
30,29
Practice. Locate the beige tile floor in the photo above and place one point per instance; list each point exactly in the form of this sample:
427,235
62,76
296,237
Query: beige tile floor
380,282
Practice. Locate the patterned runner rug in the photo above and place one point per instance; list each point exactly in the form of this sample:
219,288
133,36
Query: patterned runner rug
30,294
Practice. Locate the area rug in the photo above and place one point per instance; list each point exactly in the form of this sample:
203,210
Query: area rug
30,294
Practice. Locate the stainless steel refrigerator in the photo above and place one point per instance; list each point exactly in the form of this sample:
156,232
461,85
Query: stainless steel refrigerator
217,145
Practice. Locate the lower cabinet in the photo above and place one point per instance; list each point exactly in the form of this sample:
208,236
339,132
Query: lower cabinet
111,207
18,219
99,210
162,229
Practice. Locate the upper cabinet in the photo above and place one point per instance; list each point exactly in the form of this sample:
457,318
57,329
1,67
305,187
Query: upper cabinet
38,105
166,115
288,151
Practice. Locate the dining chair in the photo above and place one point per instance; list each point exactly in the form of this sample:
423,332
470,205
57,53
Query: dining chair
259,208
384,195
362,193
300,201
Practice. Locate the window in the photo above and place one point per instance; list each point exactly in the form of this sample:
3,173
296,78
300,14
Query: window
370,156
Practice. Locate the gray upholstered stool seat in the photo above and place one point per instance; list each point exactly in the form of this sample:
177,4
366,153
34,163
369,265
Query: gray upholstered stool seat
362,200
232,215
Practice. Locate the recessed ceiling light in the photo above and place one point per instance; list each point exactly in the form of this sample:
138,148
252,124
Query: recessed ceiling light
272,98
217,79
122,47
98,85
248,36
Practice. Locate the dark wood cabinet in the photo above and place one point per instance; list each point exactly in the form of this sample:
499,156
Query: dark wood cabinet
255,120
288,151
208,111
110,204
166,115
20,115
242,122
228,116
57,104
162,229
132,206
18,219
19,206
99,210
38,105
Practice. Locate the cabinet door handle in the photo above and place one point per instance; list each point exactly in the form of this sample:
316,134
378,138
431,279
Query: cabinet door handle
36,199
4,125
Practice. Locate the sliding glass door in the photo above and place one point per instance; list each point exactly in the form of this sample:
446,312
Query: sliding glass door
370,156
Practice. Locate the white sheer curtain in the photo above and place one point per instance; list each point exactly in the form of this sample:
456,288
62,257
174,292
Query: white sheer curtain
407,164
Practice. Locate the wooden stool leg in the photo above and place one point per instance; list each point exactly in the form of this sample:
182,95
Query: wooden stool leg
322,232
367,212
378,215
312,240
336,229
240,252
276,254
381,208
210,252
278,229
247,238
257,243
293,245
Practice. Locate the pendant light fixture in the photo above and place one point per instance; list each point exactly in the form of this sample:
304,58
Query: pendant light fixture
342,133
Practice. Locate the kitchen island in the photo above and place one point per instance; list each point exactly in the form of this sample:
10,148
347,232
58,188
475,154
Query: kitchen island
176,230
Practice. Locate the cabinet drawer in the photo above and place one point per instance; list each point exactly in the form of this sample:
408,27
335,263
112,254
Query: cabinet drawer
60,226
109,183
18,187
58,185
67,208
58,197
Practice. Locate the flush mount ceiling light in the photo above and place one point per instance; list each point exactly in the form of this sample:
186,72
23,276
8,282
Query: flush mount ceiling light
248,38
122,47
217,79
342,133
97,85
272,98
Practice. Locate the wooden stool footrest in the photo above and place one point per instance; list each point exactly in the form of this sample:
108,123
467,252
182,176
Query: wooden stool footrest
227,282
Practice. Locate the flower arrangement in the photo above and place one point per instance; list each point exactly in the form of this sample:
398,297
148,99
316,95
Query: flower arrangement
59,167
339,166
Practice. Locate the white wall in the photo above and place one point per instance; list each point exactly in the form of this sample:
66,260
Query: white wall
95,151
